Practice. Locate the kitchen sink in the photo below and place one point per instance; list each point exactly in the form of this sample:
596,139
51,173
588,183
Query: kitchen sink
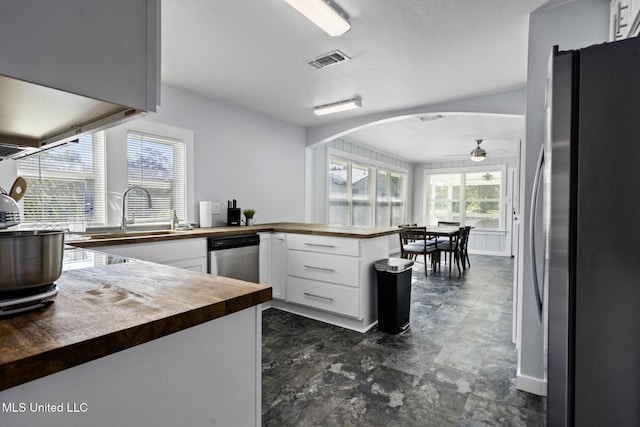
145,233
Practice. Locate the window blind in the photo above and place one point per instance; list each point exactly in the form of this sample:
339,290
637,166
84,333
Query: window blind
157,164
65,185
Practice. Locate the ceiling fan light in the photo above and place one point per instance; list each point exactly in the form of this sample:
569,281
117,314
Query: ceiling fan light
324,14
478,154
349,104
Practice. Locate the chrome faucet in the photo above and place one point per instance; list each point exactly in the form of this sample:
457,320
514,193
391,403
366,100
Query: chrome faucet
125,221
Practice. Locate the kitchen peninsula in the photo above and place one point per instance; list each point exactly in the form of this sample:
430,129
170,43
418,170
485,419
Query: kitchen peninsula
131,342
318,271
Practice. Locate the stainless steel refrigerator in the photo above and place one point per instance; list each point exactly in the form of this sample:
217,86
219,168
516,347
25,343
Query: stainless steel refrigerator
593,249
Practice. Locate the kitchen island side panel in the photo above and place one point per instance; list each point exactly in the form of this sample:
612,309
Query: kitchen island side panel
208,374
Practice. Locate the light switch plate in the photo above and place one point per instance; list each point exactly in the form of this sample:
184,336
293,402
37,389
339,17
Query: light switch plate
215,208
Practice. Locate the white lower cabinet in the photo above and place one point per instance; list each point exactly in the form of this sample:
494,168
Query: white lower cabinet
273,252
343,270
324,296
190,254
327,278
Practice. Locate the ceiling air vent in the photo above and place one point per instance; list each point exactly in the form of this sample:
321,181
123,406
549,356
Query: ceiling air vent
431,117
328,59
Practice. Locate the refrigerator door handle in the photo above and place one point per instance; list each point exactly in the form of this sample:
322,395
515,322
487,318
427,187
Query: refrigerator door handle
532,234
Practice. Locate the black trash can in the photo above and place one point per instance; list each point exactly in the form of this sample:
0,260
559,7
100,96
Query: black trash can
394,294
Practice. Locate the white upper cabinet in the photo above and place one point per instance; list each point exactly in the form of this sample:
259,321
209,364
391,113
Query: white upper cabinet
624,19
106,50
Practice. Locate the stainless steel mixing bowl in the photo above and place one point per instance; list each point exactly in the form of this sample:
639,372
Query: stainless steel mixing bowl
30,258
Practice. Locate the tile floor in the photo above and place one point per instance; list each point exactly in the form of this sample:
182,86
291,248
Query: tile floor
455,366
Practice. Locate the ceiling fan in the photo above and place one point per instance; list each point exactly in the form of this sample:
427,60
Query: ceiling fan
478,150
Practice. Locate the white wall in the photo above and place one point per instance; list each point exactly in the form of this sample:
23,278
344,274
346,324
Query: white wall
240,154
571,25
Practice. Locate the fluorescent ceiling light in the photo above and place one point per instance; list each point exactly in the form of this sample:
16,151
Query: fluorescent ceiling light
324,14
338,106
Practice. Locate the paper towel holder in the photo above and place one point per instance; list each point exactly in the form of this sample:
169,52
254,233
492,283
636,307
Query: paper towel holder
205,213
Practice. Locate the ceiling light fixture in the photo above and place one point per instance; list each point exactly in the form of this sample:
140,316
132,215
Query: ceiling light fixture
325,14
478,154
349,104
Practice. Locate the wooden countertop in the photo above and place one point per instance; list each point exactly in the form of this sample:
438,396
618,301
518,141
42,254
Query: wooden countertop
281,227
100,310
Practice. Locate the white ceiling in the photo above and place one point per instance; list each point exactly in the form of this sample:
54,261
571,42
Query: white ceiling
405,54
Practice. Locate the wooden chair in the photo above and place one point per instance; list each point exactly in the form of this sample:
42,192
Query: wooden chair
452,248
414,241
464,253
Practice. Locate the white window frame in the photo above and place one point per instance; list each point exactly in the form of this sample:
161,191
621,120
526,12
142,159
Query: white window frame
117,171
465,170
178,200
373,166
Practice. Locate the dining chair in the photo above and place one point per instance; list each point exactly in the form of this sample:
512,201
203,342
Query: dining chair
414,241
452,248
464,253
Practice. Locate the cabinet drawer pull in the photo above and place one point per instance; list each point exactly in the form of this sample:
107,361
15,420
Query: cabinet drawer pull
318,296
320,245
318,268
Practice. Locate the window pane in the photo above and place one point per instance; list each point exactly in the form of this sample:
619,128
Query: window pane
483,214
444,198
158,165
397,186
483,185
338,184
361,198
361,213
482,206
65,184
397,214
383,215
360,182
338,212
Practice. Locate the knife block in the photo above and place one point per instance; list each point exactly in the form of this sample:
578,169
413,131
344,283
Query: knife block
233,216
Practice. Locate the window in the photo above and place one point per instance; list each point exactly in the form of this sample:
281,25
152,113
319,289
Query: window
157,164
390,205
356,198
471,198
65,185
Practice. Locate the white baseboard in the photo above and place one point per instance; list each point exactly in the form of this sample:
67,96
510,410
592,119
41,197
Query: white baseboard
531,385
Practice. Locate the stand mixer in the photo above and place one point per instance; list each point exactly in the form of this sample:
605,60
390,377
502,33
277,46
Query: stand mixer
9,211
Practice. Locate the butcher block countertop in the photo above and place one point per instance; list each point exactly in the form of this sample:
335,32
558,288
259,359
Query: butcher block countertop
280,227
106,304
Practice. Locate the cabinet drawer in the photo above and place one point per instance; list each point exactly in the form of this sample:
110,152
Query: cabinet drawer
324,244
323,296
325,267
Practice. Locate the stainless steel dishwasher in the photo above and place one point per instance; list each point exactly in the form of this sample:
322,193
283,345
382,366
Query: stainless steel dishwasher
236,257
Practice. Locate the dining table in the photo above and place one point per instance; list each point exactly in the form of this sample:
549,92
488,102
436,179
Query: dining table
436,231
